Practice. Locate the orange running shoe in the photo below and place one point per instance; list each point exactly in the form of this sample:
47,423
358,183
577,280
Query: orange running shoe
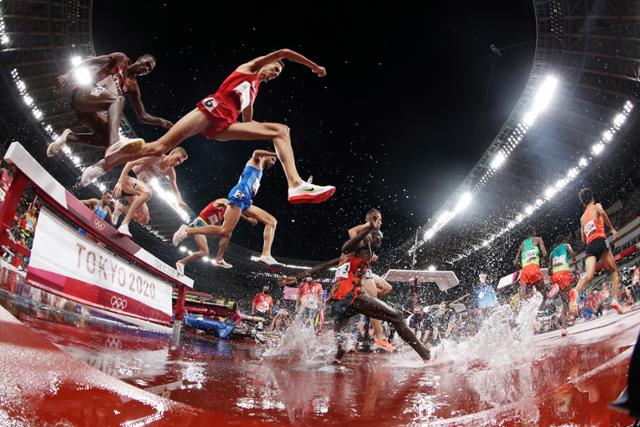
616,306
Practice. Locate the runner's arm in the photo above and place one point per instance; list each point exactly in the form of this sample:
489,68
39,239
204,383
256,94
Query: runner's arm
247,114
289,54
263,153
323,266
582,235
543,249
352,244
90,203
605,216
62,80
171,175
355,230
143,116
125,173
516,261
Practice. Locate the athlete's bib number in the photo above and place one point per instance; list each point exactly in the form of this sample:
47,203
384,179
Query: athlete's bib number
342,272
530,255
590,228
558,260
244,91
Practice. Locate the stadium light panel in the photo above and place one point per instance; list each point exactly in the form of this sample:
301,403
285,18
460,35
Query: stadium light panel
597,148
583,162
498,160
463,202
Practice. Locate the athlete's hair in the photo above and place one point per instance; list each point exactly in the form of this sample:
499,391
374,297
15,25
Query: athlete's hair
531,230
281,63
371,213
181,151
107,192
559,239
586,196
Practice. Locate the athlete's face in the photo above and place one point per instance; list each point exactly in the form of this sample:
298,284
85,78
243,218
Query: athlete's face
144,65
270,71
376,239
268,162
106,198
175,159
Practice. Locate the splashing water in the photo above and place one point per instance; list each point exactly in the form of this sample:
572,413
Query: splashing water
301,343
498,358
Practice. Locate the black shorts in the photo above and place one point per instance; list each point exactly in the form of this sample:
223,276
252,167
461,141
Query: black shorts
341,310
597,248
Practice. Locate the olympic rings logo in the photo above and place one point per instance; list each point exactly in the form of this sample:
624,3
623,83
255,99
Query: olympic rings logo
114,342
99,224
118,303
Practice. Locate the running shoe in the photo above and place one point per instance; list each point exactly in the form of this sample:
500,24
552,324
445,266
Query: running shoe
378,345
573,301
616,306
180,268
92,173
55,147
117,211
386,344
563,332
554,291
222,263
125,145
124,230
180,235
270,262
308,192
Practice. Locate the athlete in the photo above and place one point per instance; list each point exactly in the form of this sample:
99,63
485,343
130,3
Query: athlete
212,214
216,118
102,208
594,236
347,296
374,285
561,276
137,191
115,78
529,255
240,201
309,301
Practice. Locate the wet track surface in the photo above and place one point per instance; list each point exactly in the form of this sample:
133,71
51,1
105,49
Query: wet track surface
541,380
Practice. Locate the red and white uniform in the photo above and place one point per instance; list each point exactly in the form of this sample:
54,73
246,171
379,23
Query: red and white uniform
262,302
212,214
237,92
113,76
310,294
348,278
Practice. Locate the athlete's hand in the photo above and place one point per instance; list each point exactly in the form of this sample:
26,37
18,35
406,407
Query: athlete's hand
117,190
165,123
375,222
61,82
374,258
320,71
614,233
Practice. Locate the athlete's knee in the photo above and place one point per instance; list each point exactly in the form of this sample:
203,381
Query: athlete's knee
203,252
118,100
271,221
146,194
226,234
279,130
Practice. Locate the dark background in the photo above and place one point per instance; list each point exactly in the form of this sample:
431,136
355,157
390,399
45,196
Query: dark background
412,98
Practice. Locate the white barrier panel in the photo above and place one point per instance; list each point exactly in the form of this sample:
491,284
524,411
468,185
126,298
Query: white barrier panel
511,279
443,279
70,265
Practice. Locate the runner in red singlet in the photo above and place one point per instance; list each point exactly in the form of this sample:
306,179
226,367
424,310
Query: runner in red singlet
137,190
216,117
116,78
347,297
212,214
592,225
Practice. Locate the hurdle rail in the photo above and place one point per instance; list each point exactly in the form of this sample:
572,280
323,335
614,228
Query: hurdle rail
29,171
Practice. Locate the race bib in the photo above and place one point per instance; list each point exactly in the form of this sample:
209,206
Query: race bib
558,260
342,272
239,195
530,255
210,104
96,91
589,228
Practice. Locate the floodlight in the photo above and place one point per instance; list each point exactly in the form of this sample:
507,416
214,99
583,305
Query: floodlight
583,162
597,148
463,202
619,119
607,136
498,160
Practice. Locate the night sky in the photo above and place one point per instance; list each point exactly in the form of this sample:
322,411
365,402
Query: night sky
412,98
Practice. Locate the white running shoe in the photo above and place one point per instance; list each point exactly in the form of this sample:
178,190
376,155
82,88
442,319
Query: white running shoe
180,234
55,147
270,262
310,193
126,145
222,263
180,268
92,173
124,230
117,211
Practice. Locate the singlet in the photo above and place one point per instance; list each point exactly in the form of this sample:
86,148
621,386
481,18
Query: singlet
212,215
351,268
238,91
530,253
560,259
593,228
151,170
250,179
113,76
102,214
308,292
